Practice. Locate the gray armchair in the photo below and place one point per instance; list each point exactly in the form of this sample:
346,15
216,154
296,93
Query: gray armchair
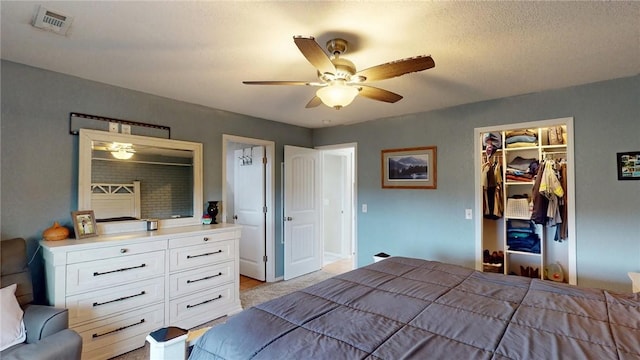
48,335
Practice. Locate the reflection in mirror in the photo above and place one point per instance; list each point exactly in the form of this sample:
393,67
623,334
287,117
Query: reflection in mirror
127,178
165,176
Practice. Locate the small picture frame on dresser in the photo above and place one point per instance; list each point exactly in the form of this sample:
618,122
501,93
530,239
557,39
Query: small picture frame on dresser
84,223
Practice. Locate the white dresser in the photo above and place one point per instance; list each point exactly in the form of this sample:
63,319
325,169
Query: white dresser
119,288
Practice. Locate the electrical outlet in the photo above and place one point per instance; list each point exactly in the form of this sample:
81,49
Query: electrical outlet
364,208
113,127
126,129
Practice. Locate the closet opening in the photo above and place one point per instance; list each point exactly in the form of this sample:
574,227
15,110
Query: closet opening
525,200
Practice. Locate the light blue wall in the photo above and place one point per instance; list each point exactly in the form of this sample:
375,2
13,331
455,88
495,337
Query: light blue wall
431,224
39,156
39,163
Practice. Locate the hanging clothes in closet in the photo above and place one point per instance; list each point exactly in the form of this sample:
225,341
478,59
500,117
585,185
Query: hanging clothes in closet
549,197
492,189
551,188
493,206
564,228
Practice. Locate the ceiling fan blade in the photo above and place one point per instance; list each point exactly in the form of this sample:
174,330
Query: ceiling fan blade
314,54
397,68
378,94
277,83
316,101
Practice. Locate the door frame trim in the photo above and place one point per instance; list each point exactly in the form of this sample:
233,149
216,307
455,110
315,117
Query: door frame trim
270,232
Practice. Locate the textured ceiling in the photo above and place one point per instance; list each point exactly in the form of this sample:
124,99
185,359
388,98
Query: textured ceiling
200,52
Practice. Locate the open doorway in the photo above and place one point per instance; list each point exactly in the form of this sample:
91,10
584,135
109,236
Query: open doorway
339,210
340,229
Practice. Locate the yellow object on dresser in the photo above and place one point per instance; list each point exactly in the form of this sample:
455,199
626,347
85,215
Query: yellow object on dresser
55,232
121,287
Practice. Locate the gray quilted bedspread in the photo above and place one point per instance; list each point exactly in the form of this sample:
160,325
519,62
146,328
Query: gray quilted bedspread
403,308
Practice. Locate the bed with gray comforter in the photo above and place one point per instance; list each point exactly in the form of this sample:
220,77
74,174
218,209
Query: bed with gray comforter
402,308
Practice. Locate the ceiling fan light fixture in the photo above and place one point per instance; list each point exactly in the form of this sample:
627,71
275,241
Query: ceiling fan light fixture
338,80
337,94
122,154
122,151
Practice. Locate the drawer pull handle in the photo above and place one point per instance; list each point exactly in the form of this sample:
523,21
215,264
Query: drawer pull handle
118,329
119,299
204,302
119,270
122,251
204,278
206,238
205,254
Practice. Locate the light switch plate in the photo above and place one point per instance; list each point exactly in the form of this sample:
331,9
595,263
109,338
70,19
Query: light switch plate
468,214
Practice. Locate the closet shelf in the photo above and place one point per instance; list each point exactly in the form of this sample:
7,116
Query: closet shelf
523,253
561,146
534,147
518,217
519,183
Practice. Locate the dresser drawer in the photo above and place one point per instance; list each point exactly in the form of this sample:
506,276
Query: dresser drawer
100,303
202,278
118,334
204,305
201,255
201,239
114,251
83,277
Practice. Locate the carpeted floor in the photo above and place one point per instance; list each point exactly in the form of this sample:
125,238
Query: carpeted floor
268,291
248,298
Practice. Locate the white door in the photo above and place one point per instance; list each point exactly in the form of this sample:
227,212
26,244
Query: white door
302,212
249,205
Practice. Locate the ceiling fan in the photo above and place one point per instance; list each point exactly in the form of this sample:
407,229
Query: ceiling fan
339,81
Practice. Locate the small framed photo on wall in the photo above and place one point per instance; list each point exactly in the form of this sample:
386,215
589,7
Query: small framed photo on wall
84,223
629,165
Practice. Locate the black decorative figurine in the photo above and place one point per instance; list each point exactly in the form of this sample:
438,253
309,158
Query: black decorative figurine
212,210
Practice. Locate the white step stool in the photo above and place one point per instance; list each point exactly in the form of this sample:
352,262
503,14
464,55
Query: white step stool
171,343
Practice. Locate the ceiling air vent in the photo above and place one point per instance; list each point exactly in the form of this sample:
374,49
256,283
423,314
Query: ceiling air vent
53,21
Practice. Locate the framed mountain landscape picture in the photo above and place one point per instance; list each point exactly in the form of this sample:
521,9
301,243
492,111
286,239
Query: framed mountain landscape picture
409,168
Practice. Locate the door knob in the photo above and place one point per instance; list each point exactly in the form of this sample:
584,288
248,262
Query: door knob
288,218
235,217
